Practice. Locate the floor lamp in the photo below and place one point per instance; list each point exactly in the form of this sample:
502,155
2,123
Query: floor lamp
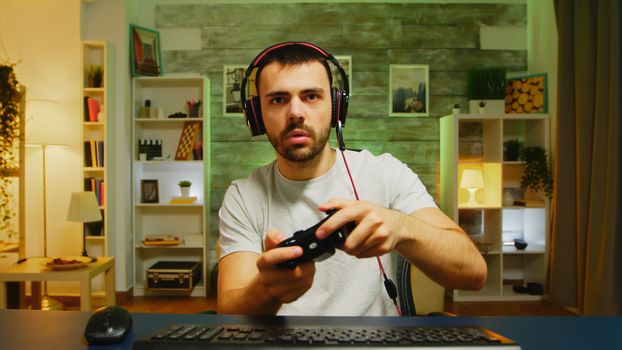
42,131
47,303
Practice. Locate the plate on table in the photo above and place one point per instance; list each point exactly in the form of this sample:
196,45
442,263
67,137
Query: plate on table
66,262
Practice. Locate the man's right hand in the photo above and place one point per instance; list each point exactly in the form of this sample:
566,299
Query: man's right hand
285,285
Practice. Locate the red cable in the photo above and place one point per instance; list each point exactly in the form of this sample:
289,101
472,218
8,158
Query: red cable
356,195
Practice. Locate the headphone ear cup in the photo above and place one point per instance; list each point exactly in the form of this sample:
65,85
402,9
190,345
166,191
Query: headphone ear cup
339,103
334,101
254,120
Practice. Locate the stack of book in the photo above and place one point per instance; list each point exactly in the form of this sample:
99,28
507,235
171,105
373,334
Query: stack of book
183,200
160,240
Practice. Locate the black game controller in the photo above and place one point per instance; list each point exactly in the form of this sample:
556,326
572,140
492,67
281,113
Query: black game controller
314,248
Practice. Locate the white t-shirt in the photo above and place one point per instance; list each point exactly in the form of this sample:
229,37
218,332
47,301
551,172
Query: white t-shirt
343,285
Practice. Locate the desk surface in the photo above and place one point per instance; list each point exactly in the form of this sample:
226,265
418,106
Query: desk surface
27,329
33,270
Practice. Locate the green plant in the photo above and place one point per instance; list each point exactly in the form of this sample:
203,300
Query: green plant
95,75
537,174
486,84
9,134
185,183
512,149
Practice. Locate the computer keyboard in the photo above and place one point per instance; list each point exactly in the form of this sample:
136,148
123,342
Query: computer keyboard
195,336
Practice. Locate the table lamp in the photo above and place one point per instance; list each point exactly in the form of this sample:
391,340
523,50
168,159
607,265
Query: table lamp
84,208
472,180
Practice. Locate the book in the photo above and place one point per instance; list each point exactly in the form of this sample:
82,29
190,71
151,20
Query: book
93,153
183,200
102,201
93,109
88,160
160,240
86,109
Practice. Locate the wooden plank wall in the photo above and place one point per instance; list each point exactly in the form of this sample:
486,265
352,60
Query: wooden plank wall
444,36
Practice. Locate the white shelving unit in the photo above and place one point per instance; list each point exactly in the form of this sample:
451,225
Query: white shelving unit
474,141
96,126
190,222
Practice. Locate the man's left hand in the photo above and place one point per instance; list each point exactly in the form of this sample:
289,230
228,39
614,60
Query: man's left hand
377,232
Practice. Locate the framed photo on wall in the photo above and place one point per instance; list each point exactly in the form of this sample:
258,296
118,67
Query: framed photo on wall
145,53
346,63
149,191
526,94
409,90
232,83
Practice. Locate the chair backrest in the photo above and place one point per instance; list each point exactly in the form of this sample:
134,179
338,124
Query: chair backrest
404,290
412,284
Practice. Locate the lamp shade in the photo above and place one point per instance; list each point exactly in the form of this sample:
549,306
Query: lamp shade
472,178
84,207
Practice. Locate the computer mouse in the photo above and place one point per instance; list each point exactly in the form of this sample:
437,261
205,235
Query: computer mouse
108,325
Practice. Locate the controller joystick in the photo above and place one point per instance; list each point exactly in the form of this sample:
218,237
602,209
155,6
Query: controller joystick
314,248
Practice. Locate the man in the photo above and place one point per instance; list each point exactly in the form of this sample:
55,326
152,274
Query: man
308,177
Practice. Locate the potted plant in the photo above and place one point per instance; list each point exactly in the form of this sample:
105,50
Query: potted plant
184,187
537,174
482,107
456,109
511,150
10,96
95,75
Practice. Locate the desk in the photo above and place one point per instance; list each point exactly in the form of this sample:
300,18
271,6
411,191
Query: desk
34,329
33,271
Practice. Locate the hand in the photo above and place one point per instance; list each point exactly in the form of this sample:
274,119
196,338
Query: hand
285,285
377,229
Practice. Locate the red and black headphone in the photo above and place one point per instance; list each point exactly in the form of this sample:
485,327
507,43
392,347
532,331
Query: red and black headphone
252,107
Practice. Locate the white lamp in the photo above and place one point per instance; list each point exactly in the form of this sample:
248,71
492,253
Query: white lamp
84,208
472,180
43,130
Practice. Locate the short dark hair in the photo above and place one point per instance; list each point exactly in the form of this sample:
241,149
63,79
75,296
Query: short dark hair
294,54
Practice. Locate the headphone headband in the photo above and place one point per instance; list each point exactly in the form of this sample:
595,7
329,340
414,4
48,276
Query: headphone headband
252,107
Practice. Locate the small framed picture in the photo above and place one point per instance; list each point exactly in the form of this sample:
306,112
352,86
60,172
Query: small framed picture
149,191
526,94
408,90
346,63
145,53
232,82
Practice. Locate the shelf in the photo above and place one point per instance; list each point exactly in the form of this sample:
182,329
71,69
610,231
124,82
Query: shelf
180,246
530,249
190,222
94,90
476,142
95,238
95,178
169,162
94,124
166,120
164,205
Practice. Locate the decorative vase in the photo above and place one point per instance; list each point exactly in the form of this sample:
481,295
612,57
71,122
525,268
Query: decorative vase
185,191
508,199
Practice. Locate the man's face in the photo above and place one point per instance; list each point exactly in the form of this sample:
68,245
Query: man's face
296,108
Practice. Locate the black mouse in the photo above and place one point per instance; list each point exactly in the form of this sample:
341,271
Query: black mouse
108,325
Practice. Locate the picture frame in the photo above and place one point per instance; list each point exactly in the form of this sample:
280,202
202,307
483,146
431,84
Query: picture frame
149,191
409,90
345,61
233,75
526,94
145,55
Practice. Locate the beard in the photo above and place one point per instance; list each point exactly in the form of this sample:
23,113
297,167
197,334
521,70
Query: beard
300,153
